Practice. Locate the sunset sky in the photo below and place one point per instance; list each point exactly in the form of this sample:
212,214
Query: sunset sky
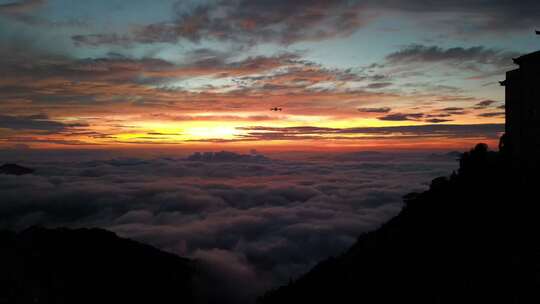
368,74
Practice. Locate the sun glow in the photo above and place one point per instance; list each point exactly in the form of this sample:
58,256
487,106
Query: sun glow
180,131
211,132
240,129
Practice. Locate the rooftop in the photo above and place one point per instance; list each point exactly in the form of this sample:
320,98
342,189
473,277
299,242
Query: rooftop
533,57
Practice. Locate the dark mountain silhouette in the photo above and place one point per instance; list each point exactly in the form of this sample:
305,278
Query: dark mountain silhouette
89,266
470,238
14,169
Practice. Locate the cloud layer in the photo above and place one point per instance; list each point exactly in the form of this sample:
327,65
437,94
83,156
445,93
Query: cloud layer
258,221
245,21
286,22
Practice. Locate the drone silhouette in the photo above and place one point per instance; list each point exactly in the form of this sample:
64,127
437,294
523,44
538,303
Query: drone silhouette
275,109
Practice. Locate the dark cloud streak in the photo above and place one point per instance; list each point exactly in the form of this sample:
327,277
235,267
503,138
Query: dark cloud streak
245,21
17,8
286,22
462,57
401,116
32,122
487,131
375,110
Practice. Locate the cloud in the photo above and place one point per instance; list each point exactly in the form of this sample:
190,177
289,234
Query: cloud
227,270
20,147
492,114
27,12
461,57
117,69
46,140
497,16
445,112
145,87
402,116
38,122
24,6
379,85
284,22
486,131
248,22
225,156
484,104
167,117
437,120
452,109
117,80
95,40
375,110
255,223
27,129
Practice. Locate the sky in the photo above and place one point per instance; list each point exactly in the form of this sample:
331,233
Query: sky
342,75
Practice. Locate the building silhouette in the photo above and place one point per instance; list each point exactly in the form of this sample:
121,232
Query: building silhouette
522,108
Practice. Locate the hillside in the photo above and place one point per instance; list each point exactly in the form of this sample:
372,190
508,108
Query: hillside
89,266
471,238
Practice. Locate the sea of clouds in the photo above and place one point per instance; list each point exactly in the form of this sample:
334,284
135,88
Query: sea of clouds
255,221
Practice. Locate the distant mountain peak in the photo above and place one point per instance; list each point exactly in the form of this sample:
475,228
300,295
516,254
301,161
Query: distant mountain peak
88,265
14,169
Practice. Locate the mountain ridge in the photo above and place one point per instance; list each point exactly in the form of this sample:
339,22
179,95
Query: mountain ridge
14,169
62,265
470,238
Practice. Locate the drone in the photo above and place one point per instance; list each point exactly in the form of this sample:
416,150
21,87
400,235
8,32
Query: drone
275,109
